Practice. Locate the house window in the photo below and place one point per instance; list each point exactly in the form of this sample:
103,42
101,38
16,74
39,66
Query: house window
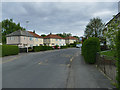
24,37
36,44
36,39
60,39
31,38
31,45
10,38
56,39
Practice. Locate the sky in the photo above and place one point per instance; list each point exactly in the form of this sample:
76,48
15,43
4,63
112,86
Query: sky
58,17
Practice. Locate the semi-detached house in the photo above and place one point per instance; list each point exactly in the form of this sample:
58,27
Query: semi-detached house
114,19
52,40
21,38
38,40
24,39
70,39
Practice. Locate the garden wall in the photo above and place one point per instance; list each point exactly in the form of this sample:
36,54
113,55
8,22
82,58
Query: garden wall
107,66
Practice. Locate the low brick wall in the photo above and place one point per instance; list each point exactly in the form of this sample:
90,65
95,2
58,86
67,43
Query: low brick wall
107,65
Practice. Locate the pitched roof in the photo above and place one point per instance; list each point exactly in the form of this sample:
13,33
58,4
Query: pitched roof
20,33
116,16
70,37
34,34
53,36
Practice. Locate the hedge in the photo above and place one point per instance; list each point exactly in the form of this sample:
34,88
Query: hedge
89,49
73,45
118,57
9,50
63,47
41,48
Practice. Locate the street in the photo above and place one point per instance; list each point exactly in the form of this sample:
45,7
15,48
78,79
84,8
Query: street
64,68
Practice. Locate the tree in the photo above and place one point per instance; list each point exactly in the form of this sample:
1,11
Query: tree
118,61
64,34
33,31
0,32
43,35
94,28
76,37
8,26
111,32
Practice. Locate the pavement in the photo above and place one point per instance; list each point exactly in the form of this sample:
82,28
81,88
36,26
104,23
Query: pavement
64,68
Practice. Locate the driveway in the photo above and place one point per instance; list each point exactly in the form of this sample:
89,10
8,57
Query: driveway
63,68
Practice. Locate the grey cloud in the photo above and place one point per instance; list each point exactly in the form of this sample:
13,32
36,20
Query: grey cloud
58,17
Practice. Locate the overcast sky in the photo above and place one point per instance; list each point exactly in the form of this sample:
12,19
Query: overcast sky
69,17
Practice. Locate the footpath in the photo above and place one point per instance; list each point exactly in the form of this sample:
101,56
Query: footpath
82,75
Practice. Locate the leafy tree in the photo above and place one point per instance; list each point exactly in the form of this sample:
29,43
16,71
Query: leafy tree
64,35
8,26
33,31
118,61
76,37
43,35
0,32
94,28
111,32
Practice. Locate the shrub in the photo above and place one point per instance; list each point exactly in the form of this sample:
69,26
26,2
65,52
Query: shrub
104,47
89,49
63,47
56,47
118,58
68,45
41,48
73,45
9,50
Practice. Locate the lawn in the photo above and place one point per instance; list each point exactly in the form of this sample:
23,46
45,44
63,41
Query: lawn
110,53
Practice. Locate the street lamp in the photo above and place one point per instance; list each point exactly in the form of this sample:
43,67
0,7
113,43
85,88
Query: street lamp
27,33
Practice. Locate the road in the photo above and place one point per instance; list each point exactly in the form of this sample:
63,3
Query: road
52,69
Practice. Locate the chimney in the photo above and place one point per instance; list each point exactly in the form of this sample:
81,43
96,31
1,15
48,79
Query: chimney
118,6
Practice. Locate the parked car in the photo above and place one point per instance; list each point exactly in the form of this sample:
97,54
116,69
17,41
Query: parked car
56,47
78,45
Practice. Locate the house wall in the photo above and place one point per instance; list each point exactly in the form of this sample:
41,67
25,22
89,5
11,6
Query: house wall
60,42
46,41
69,41
53,42
26,41
38,41
13,40
21,41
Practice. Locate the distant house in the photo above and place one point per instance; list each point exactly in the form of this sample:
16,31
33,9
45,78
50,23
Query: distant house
70,39
21,38
38,40
52,40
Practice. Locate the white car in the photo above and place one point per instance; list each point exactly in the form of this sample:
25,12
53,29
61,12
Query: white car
78,45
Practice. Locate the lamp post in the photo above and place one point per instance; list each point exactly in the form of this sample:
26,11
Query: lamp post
27,33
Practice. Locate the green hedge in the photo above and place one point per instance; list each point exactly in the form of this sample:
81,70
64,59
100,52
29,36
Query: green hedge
89,49
73,45
9,50
118,61
63,47
41,48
